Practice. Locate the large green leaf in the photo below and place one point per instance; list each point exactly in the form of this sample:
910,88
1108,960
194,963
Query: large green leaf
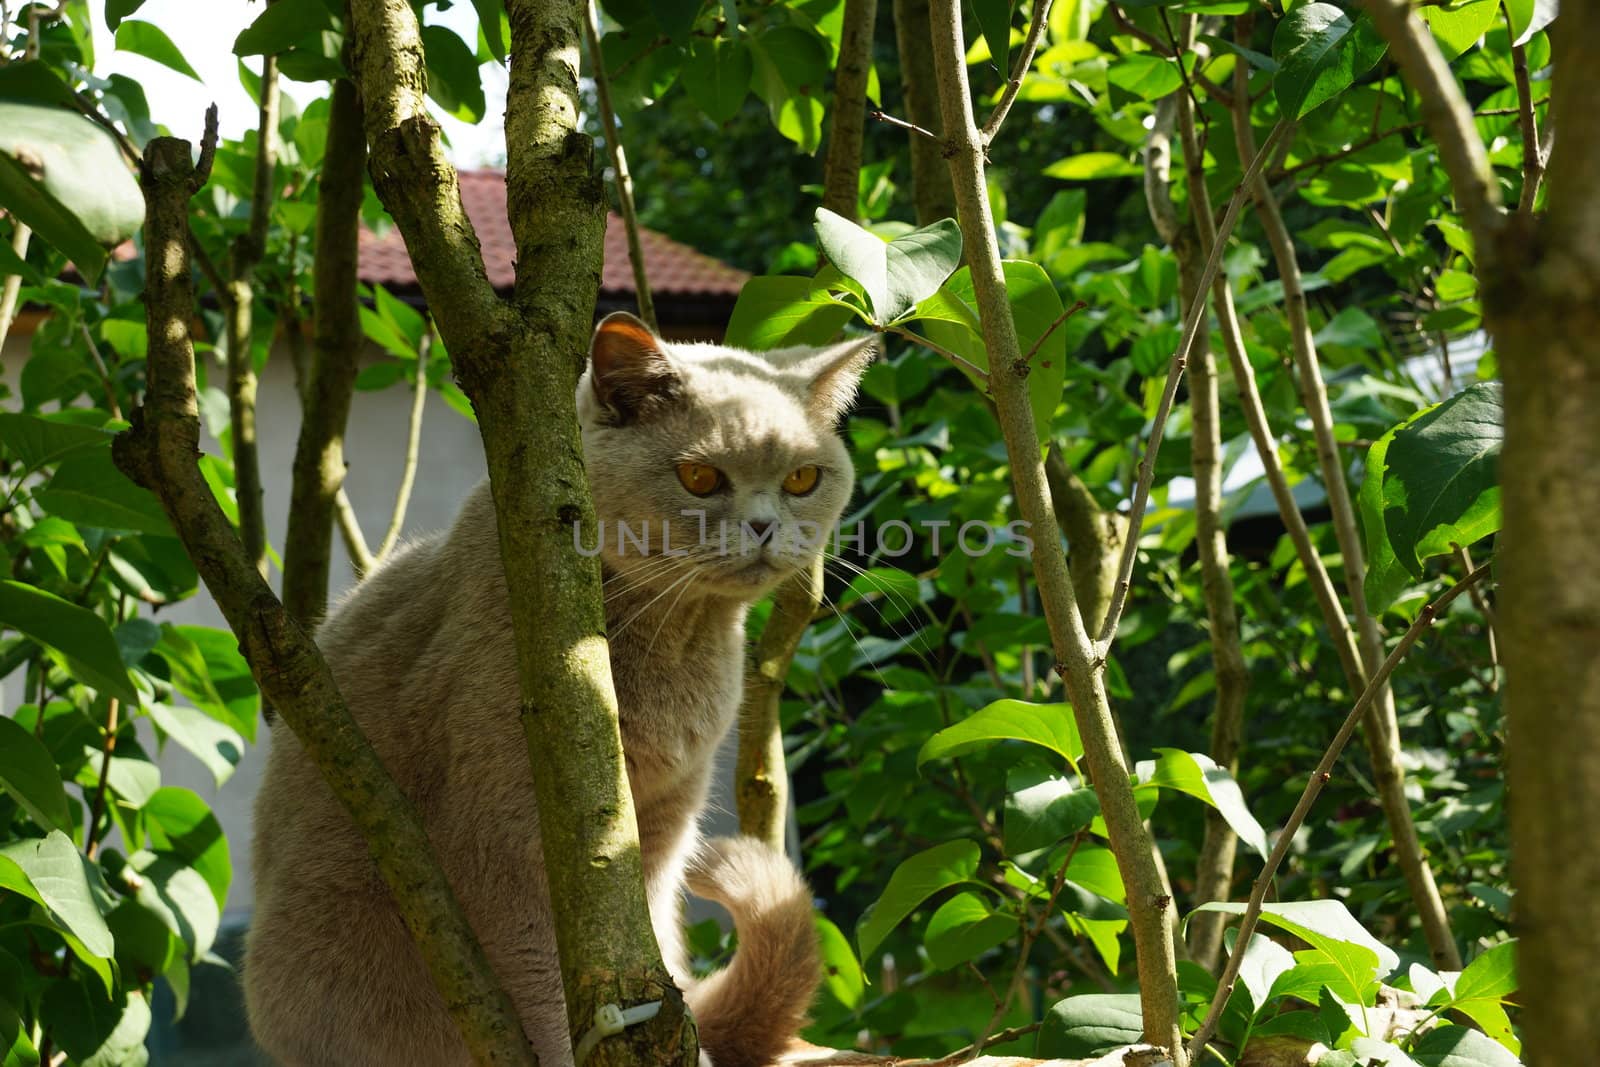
676,17
1528,17
281,26
1431,484
779,311
1197,774
180,897
1348,971
151,41
994,20
1456,1046
1035,308
50,872
80,636
1481,992
38,441
963,928
490,13
1457,26
1323,924
453,80
1041,809
210,741
896,274
207,668
28,773
1145,76
89,490
65,177
791,67
95,1030
1050,726
181,823
914,881
1321,51
841,970
717,76
1089,1025
117,10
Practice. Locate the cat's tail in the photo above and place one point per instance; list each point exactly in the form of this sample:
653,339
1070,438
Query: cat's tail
749,1011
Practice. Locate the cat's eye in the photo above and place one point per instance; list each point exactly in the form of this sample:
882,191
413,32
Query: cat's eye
701,479
801,480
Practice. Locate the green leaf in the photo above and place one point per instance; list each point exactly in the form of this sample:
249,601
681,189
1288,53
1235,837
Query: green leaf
779,311
453,80
1264,962
791,67
895,274
213,743
1320,53
841,972
208,669
1348,971
717,76
1431,484
1049,726
28,773
1035,307
994,20
79,635
1458,26
37,441
151,41
75,191
1323,924
1144,76
117,10
375,376
95,1030
914,881
33,81
1090,1025
282,26
963,929
1196,774
490,13
1041,809
181,823
1092,166
50,872
1528,17
676,17
180,897
1456,1046
89,490
1482,989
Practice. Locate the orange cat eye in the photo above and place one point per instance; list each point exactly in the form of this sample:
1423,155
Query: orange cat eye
801,481
701,479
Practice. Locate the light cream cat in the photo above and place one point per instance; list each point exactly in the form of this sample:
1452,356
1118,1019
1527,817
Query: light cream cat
423,653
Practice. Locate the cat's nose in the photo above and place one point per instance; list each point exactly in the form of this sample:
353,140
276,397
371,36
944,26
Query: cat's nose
759,527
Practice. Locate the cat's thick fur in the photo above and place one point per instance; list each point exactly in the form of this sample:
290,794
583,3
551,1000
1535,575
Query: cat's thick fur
423,653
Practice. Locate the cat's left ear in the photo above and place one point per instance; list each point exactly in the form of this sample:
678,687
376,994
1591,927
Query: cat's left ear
833,374
629,369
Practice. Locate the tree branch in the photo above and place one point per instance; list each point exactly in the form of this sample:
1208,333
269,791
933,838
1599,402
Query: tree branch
1319,778
159,452
930,177
1532,157
619,166
841,174
1150,908
1041,19
330,378
1191,331
408,474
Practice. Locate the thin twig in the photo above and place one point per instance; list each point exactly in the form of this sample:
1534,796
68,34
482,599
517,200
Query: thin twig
1196,316
1041,15
1532,158
20,236
622,180
105,372
1319,778
355,542
1371,139
408,476
107,747
904,125
962,1055
1123,25
1079,305
970,367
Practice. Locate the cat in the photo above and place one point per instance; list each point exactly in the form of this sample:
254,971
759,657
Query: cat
730,454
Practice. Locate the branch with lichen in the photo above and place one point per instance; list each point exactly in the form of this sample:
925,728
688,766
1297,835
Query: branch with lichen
159,452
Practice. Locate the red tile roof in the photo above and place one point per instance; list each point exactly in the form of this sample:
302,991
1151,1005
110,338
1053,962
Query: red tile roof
674,270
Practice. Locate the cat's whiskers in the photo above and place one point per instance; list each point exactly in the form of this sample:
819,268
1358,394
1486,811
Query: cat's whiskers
682,581
906,606
665,615
648,574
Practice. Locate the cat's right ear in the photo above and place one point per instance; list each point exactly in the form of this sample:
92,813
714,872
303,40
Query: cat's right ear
629,369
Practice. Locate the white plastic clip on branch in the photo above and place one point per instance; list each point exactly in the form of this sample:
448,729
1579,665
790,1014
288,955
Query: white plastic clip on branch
613,1019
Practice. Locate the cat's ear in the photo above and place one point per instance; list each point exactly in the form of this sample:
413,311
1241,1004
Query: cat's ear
833,374
629,369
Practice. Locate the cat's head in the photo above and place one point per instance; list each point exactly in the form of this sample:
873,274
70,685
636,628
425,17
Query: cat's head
732,455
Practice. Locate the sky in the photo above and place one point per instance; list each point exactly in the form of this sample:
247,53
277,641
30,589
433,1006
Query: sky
206,41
